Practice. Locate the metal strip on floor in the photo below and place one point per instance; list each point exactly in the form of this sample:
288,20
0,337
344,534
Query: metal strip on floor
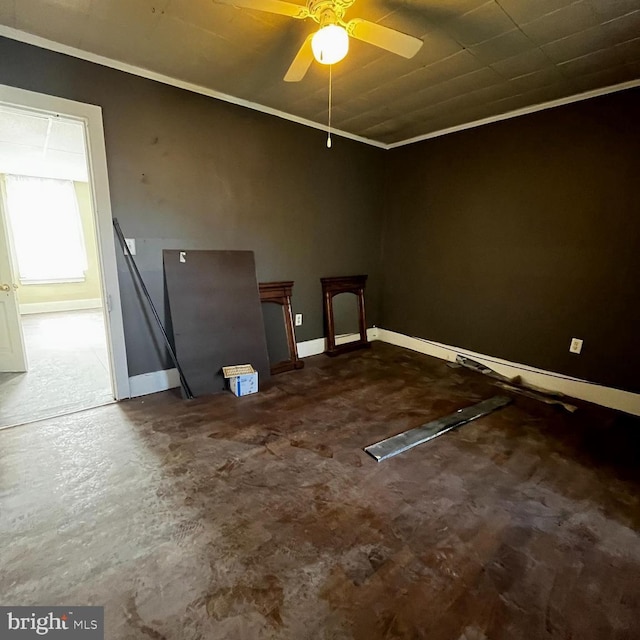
408,439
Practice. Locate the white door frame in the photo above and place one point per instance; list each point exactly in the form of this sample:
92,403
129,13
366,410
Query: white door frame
91,117
14,359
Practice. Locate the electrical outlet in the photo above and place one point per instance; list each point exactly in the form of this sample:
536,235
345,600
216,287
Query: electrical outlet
298,319
576,345
131,244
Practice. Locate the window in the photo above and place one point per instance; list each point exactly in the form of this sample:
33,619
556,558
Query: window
47,230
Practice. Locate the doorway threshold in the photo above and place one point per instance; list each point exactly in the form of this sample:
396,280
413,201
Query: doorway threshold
61,413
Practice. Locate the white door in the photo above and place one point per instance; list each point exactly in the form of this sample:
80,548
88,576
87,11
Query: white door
12,353
91,116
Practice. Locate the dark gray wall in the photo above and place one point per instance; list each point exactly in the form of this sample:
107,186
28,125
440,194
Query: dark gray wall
187,171
508,239
512,238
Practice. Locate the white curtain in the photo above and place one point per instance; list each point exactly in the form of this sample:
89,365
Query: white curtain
47,230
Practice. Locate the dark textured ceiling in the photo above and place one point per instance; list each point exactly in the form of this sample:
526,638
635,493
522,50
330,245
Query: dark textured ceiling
480,58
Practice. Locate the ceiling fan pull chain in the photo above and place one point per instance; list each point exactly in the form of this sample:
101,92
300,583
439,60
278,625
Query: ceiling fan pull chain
329,128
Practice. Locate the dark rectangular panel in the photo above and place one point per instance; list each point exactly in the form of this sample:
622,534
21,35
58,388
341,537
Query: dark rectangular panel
216,315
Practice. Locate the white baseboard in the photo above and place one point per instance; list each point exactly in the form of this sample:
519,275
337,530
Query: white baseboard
157,381
589,391
319,345
59,305
311,347
153,382
606,396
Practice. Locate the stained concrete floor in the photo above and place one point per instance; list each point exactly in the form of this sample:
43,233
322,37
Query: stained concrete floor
68,367
261,517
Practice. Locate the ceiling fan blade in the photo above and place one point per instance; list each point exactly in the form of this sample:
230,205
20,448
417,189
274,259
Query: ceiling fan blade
301,62
272,6
383,37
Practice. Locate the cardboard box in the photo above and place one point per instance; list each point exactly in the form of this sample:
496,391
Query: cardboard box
242,379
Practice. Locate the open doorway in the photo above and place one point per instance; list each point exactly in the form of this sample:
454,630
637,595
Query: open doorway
61,342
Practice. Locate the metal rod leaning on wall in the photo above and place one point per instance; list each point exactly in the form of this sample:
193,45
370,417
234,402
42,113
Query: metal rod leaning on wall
172,353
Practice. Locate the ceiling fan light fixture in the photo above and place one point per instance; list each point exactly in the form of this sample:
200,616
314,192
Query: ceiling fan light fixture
330,44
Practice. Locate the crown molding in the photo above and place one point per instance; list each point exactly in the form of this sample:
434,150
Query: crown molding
594,93
51,45
44,43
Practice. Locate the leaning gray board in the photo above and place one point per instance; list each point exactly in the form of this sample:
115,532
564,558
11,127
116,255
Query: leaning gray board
216,315
407,440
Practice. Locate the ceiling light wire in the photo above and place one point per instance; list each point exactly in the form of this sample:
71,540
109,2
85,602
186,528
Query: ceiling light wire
330,96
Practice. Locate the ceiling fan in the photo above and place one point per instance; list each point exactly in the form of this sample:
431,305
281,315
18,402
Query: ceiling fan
330,43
